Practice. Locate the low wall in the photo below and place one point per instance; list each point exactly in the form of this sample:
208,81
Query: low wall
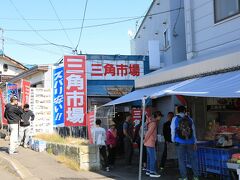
87,156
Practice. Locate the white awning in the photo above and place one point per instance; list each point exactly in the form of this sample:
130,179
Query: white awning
224,85
139,94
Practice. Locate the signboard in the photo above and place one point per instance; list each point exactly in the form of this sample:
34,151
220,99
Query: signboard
2,106
114,69
75,91
136,115
41,105
90,124
12,90
25,88
58,97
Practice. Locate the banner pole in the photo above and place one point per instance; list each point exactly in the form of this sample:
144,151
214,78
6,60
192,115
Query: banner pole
141,142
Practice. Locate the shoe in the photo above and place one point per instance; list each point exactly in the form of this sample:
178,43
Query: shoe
147,173
155,175
107,169
144,169
25,146
15,152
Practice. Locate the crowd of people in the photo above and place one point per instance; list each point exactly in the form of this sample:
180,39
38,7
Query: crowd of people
178,132
18,118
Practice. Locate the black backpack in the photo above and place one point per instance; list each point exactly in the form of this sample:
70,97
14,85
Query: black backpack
184,129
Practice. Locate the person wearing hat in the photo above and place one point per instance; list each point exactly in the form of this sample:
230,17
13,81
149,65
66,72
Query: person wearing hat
150,143
13,112
111,143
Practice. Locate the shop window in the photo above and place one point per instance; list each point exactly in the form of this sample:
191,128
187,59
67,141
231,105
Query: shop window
166,39
224,9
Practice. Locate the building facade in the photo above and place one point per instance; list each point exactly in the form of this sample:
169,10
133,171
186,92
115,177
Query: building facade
161,34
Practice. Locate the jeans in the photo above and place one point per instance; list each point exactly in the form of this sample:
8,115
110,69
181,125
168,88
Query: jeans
183,151
13,138
103,153
151,159
128,148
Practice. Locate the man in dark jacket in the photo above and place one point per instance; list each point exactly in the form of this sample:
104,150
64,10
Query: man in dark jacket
13,113
24,130
167,137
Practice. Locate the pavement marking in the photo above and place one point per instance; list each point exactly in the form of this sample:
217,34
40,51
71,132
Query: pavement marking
22,171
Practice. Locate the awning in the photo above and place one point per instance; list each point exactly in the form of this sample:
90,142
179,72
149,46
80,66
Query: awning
224,85
139,94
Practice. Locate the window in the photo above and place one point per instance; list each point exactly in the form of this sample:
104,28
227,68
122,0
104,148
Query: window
5,67
224,9
166,38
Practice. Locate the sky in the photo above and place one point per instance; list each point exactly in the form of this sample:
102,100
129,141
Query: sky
23,20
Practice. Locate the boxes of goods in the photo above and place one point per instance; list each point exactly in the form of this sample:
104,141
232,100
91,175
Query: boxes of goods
39,145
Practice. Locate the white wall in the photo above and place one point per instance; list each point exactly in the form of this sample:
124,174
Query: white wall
209,37
154,27
12,69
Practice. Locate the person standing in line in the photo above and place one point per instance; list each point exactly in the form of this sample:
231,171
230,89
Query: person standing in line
128,139
111,144
167,137
99,135
24,128
184,136
13,112
150,143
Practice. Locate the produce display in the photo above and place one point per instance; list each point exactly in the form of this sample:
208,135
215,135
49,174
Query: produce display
235,158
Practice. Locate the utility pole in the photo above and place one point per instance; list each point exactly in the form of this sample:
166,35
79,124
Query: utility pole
2,39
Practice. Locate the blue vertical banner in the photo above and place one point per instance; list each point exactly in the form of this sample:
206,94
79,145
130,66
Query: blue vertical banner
58,97
12,90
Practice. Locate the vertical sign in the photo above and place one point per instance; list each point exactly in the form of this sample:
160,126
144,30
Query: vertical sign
90,125
41,105
75,87
12,90
136,115
25,88
58,97
2,106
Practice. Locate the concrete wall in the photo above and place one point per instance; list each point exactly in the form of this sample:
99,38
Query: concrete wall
87,156
207,36
153,28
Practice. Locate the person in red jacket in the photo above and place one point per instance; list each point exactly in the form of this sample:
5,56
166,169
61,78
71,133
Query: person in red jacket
150,142
111,144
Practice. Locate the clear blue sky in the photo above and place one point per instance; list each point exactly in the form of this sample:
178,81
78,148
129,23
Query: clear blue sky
111,39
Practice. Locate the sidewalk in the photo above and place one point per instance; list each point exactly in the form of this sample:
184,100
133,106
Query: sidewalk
44,166
35,165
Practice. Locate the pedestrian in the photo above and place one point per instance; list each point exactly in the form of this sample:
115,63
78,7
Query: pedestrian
150,143
184,137
128,139
111,144
137,137
167,138
13,112
99,135
24,129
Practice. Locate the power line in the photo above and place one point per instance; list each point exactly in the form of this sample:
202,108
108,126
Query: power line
36,31
93,26
32,46
80,35
61,23
69,19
